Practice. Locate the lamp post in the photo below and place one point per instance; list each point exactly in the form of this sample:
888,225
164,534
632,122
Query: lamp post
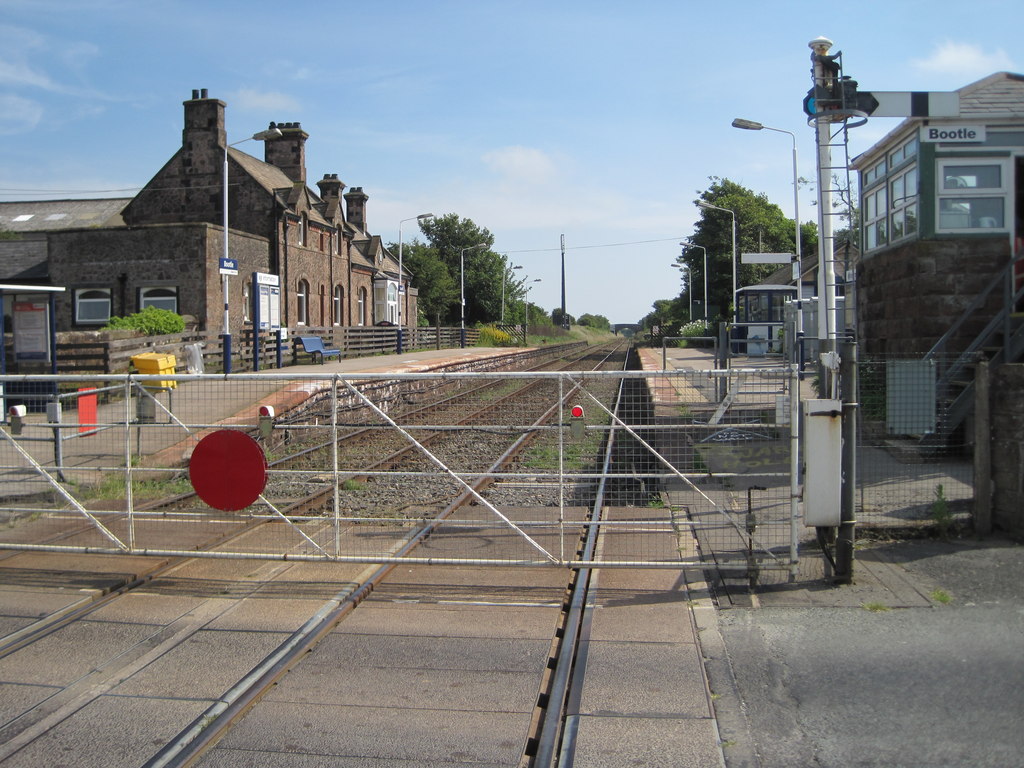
689,283
462,291
401,284
753,125
710,207
688,244
526,332
270,133
503,281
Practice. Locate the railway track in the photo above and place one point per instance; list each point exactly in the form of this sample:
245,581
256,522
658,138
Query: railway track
343,595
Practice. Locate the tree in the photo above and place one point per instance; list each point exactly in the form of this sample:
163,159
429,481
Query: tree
600,322
454,240
560,320
436,289
437,271
761,227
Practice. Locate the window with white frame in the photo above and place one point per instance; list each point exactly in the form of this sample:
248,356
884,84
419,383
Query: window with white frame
361,320
302,302
338,304
161,297
972,195
876,218
903,204
92,306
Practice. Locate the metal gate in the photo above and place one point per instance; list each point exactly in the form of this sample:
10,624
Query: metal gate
675,468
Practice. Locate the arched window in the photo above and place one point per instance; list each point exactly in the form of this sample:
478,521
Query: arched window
338,305
92,305
161,298
323,305
302,303
304,230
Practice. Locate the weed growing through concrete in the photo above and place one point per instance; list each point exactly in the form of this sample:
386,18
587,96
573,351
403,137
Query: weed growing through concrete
940,513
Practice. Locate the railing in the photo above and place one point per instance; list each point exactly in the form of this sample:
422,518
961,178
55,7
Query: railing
102,352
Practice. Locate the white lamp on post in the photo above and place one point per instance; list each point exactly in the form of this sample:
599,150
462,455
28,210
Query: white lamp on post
270,133
708,206
688,244
462,290
401,274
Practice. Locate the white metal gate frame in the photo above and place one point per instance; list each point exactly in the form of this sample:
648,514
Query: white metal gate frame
137,384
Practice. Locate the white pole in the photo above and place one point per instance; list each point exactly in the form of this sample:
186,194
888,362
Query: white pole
826,266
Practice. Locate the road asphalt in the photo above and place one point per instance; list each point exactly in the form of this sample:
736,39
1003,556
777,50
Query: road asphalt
807,676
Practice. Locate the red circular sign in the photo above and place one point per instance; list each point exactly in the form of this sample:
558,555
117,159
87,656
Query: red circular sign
577,411
228,470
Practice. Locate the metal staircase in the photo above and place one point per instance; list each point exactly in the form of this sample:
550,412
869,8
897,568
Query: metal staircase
1000,341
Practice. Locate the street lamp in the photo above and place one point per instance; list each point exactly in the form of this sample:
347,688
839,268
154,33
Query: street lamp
689,283
752,125
401,289
688,244
708,206
270,133
462,291
528,281
503,281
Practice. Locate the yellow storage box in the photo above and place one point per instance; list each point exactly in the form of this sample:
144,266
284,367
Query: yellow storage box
154,363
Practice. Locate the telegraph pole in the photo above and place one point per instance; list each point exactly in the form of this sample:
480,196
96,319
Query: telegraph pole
565,321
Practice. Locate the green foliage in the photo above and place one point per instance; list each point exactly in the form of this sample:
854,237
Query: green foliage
941,513
150,321
561,321
454,241
493,337
600,322
6,234
760,227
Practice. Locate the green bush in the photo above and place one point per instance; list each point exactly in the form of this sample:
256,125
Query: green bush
493,337
150,321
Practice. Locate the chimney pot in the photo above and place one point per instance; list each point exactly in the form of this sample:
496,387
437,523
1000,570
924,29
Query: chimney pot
195,94
203,93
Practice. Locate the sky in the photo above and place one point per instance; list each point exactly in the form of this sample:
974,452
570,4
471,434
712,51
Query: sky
595,120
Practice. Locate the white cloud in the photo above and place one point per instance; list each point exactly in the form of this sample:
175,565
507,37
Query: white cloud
18,115
262,101
521,164
964,60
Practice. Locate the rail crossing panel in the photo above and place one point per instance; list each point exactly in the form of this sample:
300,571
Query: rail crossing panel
674,468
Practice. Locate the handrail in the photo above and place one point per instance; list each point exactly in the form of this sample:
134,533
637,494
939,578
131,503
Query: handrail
1005,274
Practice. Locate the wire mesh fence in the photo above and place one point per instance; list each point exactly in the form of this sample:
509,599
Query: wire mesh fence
915,457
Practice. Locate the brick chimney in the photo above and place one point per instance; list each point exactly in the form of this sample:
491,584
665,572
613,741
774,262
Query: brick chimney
203,137
355,205
289,151
330,187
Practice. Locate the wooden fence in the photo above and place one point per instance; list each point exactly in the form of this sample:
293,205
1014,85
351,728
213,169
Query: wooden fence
111,351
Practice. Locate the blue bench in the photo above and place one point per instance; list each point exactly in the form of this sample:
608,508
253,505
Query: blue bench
314,345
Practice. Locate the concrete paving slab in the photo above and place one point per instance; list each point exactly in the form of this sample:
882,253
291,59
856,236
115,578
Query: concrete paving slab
614,742
428,620
204,666
644,679
418,736
47,662
426,653
401,686
17,698
110,732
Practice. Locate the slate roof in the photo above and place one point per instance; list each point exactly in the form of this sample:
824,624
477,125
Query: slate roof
51,215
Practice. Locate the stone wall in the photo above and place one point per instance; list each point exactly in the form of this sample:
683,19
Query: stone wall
909,296
184,256
1007,441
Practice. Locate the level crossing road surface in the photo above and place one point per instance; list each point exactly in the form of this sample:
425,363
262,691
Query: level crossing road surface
438,666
